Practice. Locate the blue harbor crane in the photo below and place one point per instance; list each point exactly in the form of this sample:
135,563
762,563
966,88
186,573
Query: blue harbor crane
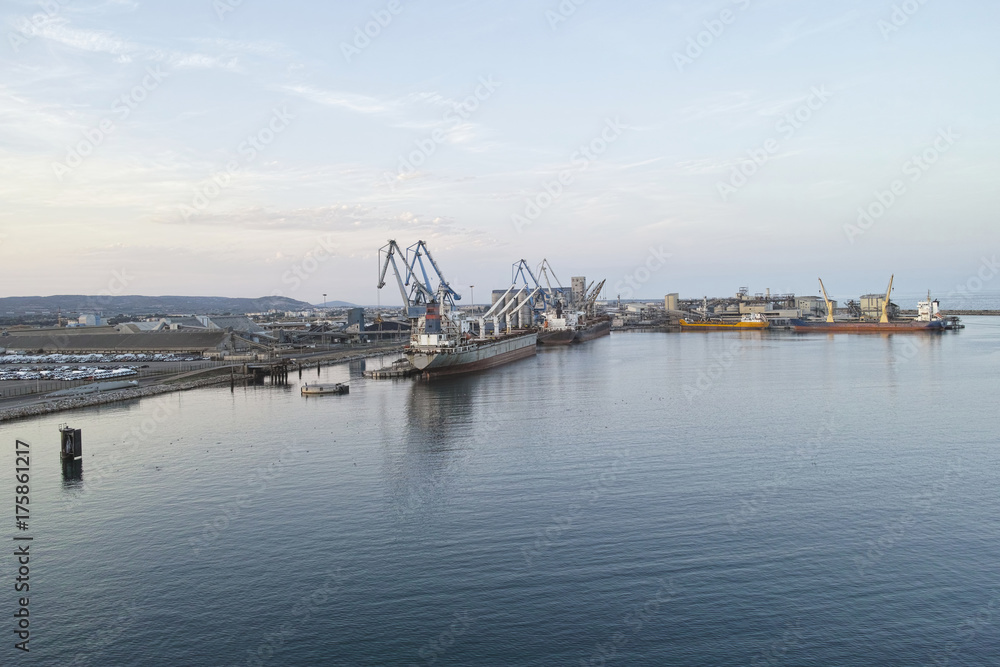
414,282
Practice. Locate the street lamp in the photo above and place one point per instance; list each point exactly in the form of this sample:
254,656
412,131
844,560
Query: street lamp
324,300
472,297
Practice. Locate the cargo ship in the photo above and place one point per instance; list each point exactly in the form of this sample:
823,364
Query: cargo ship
929,320
440,343
866,326
594,329
448,348
559,327
749,321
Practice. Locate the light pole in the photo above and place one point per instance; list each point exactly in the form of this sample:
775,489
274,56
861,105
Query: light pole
324,300
472,297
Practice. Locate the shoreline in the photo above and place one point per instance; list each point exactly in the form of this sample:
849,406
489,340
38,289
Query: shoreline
45,407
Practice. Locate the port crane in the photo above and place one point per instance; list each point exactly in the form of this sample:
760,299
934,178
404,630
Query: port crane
853,307
544,269
507,309
420,292
588,302
521,271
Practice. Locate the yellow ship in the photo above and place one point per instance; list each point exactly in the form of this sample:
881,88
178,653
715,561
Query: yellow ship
748,321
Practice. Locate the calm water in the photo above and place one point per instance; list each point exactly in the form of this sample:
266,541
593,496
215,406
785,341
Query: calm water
644,499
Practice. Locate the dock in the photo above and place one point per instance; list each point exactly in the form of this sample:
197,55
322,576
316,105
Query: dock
401,368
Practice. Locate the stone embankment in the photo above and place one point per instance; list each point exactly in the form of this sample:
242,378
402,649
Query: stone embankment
71,403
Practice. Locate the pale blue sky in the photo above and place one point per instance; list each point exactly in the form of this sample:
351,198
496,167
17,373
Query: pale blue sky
338,126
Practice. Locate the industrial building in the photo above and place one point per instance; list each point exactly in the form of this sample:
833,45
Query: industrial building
177,342
813,306
871,306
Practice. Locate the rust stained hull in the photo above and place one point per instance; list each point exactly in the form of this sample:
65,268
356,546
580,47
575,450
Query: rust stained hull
908,326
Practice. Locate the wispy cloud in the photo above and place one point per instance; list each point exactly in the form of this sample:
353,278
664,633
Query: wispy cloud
350,101
797,30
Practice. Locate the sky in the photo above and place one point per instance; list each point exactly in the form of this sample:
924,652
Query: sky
249,148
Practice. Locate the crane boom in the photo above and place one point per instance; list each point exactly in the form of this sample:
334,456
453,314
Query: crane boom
421,291
414,255
829,306
390,258
885,306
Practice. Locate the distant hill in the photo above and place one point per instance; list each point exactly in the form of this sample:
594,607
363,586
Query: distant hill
70,304
337,304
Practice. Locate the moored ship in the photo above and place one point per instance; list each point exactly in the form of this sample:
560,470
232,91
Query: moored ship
558,328
863,326
440,342
440,345
595,328
748,321
929,319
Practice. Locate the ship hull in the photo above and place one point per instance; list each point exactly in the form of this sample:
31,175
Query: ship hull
556,336
475,356
709,326
910,326
592,331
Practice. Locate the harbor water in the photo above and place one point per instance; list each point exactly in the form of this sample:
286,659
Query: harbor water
710,498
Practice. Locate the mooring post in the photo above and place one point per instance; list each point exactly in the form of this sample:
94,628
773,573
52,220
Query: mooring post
70,443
